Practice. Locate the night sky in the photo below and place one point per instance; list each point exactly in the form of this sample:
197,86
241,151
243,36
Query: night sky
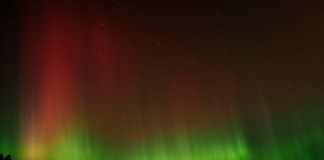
162,80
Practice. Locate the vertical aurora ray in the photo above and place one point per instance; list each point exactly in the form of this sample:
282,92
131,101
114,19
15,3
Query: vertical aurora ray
52,47
104,80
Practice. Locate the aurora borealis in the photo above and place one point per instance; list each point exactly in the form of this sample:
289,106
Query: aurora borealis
158,80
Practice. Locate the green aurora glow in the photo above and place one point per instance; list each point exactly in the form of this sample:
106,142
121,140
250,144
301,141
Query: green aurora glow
304,142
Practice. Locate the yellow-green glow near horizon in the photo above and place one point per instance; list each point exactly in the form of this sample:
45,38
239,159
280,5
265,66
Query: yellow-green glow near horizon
221,143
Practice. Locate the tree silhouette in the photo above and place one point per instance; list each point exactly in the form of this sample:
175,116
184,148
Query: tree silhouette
7,158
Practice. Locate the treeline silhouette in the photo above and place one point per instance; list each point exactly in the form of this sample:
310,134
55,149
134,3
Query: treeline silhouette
7,158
